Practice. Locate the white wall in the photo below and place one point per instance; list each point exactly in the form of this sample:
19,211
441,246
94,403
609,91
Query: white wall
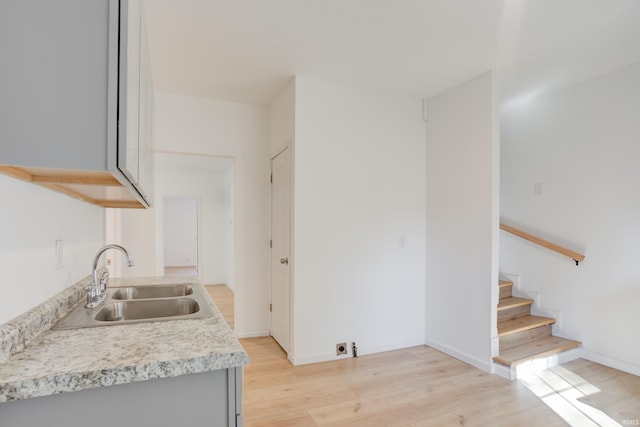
207,188
197,125
31,220
583,144
229,215
462,221
135,230
282,120
181,231
359,220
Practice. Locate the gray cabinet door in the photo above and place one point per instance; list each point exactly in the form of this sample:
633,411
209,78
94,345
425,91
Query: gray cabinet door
129,81
196,400
73,92
54,82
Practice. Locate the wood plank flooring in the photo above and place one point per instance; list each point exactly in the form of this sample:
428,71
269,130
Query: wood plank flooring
420,386
186,271
222,296
417,386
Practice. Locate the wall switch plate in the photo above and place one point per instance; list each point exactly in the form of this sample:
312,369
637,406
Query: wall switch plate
59,254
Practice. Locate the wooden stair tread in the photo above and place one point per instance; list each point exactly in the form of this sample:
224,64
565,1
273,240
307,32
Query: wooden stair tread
542,347
503,283
510,302
523,323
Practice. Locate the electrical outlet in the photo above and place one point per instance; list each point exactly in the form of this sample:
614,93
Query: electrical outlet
341,348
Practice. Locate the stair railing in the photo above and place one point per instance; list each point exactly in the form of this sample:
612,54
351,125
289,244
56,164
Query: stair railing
576,256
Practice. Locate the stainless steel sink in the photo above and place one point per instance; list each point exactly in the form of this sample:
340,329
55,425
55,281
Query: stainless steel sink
158,291
143,303
147,309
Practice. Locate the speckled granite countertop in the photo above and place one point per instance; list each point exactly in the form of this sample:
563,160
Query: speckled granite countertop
60,361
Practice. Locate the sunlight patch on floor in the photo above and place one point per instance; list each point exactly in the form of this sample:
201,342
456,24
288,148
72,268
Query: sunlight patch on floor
561,390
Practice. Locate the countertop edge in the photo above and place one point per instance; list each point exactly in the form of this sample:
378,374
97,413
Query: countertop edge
27,371
20,331
78,381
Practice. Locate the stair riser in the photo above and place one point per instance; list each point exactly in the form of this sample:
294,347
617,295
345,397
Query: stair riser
505,291
523,337
512,313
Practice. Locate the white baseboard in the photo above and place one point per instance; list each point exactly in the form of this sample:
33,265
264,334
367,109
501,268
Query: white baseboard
612,363
506,372
569,355
388,347
290,359
252,334
315,358
362,351
460,355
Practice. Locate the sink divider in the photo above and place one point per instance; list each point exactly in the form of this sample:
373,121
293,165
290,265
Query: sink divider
192,303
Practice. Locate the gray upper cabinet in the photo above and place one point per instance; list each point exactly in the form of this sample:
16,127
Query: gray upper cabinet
76,98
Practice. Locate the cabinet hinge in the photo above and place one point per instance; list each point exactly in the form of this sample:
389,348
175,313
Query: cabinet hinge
271,178
271,243
270,308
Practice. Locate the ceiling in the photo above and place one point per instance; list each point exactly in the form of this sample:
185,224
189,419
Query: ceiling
247,50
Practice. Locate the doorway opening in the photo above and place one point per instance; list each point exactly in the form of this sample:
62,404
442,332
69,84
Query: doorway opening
181,236
197,237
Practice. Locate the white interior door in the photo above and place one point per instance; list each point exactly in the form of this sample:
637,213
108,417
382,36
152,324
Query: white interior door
280,245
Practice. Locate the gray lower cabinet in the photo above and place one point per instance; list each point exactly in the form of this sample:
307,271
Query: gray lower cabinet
206,399
76,98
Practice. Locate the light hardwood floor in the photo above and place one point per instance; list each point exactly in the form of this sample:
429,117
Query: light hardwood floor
187,271
420,386
222,296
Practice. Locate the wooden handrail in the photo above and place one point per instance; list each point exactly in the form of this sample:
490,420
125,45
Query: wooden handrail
577,257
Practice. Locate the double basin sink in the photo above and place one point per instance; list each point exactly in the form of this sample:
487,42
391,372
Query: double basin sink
141,303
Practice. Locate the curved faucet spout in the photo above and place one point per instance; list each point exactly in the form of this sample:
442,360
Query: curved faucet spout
98,289
103,250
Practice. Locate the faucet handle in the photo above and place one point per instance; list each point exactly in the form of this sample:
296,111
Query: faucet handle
93,296
104,277
102,282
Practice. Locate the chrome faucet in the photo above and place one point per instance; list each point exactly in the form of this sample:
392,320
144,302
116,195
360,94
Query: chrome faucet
97,291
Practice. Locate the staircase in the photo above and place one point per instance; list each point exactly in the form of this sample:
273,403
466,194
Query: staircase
524,337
